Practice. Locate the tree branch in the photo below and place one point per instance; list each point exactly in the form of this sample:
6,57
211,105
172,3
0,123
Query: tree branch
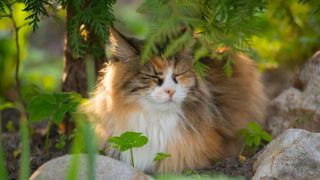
16,29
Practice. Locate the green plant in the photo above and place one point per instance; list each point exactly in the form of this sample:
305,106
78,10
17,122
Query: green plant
128,141
24,164
204,25
61,142
253,136
52,107
161,156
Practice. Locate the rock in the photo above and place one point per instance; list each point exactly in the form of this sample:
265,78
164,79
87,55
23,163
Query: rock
105,168
295,155
276,81
299,105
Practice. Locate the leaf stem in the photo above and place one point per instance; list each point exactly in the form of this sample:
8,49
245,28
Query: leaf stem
131,156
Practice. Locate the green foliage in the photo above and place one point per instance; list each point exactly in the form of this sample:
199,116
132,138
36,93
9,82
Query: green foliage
253,136
289,34
128,140
61,141
2,6
161,156
37,8
211,23
313,2
52,106
95,17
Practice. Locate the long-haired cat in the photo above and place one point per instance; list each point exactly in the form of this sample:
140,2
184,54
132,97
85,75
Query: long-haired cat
195,120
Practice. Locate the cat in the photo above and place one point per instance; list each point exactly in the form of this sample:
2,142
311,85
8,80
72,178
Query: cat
196,120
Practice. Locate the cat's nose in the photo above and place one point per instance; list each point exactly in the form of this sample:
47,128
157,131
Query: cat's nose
170,92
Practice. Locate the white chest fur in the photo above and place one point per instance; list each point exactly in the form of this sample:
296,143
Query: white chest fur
159,127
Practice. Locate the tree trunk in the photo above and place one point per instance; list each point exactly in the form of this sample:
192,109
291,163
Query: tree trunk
74,75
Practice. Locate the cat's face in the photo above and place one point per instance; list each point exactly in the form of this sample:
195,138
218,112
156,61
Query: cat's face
161,83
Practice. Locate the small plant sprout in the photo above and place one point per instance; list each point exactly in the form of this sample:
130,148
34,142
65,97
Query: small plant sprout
128,141
161,156
61,142
253,136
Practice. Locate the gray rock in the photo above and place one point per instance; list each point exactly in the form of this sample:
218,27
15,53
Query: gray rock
105,168
299,105
294,155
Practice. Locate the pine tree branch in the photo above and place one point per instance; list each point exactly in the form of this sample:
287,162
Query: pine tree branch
37,9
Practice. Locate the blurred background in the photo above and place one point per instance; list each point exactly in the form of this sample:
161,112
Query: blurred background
289,35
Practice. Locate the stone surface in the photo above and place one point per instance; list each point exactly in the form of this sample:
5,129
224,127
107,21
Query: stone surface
294,155
299,105
105,168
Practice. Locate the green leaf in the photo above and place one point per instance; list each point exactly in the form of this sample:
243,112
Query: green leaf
66,102
255,127
41,107
53,106
59,114
160,156
253,134
249,141
266,136
256,140
29,92
128,140
61,142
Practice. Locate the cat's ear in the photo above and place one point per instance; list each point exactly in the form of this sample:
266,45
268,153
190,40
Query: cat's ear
120,47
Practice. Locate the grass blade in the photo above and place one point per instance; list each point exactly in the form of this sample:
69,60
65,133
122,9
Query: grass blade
25,156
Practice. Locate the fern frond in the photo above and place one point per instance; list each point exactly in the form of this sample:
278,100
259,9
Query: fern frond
96,16
176,44
37,8
99,16
75,39
217,23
